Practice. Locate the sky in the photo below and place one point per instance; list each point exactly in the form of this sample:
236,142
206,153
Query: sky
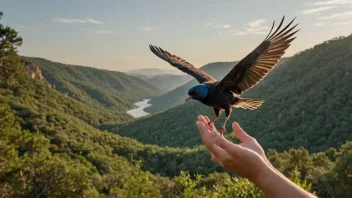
115,35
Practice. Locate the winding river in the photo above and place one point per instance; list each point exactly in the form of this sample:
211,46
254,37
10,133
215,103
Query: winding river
139,111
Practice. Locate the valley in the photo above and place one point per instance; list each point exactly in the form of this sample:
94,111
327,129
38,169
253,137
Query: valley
139,111
306,99
77,131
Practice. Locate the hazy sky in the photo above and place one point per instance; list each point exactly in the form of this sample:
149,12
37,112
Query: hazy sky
115,35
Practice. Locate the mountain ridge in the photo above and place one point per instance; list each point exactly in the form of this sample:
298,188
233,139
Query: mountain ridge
112,92
318,76
151,72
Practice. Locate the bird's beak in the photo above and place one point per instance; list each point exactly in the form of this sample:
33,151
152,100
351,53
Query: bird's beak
188,98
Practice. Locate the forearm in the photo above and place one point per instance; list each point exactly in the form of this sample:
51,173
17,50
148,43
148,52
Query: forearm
269,163
274,184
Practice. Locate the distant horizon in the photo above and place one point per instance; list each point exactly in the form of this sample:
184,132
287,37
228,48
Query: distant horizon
115,35
169,67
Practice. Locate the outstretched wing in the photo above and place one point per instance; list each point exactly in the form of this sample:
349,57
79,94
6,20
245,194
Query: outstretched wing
181,64
256,65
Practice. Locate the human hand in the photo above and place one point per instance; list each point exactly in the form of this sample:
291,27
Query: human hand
247,141
246,159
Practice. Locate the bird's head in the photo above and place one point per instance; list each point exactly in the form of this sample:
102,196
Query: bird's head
198,92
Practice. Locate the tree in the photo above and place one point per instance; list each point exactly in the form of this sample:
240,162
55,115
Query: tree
340,178
9,41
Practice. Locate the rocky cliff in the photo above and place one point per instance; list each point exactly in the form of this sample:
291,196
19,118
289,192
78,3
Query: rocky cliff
33,71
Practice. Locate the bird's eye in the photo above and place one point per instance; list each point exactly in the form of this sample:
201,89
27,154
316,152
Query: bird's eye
196,92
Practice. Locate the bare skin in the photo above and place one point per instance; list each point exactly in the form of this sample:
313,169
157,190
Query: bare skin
248,160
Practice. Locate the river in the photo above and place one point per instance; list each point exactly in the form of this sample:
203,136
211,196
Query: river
139,111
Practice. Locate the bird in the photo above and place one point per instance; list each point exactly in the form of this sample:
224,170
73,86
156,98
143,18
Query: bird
225,94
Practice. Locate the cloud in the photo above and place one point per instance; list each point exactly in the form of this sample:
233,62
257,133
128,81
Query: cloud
178,30
63,20
99,31
225,26
242,33
316,10
72,20
318,24
93,21
147,29
253,27
330,2
342,23
209,24
255,23
342,15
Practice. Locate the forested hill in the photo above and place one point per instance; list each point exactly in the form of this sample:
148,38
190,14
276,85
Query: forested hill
166,82
169,82
151,72
49,148
49,151
307,103
107,87
110,91
177,96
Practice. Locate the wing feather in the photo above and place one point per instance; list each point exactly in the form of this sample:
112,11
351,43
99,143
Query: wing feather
181,64
256,65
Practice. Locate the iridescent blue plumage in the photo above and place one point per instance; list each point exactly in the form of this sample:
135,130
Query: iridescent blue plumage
200,90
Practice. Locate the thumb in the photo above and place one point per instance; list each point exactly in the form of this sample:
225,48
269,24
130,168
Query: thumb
240,134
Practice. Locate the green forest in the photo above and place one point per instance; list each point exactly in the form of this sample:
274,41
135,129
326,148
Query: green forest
109,91
60,134
163,80
307,102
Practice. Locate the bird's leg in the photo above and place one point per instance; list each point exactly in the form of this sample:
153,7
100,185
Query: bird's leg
217,113
223,128
213,120
228,111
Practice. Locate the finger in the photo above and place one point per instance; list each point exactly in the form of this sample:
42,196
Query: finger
204,120
201,118
208,141
208,120
215,159
201,130
229,147
240,134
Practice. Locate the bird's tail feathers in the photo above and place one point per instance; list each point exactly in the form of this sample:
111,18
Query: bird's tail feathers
246,103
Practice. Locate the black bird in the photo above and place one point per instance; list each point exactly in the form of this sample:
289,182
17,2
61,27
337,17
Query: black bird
225,94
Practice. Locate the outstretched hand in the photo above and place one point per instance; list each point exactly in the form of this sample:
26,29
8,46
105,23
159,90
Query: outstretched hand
246,159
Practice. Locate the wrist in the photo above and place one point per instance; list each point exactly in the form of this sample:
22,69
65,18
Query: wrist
268,162
263,175
267,180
